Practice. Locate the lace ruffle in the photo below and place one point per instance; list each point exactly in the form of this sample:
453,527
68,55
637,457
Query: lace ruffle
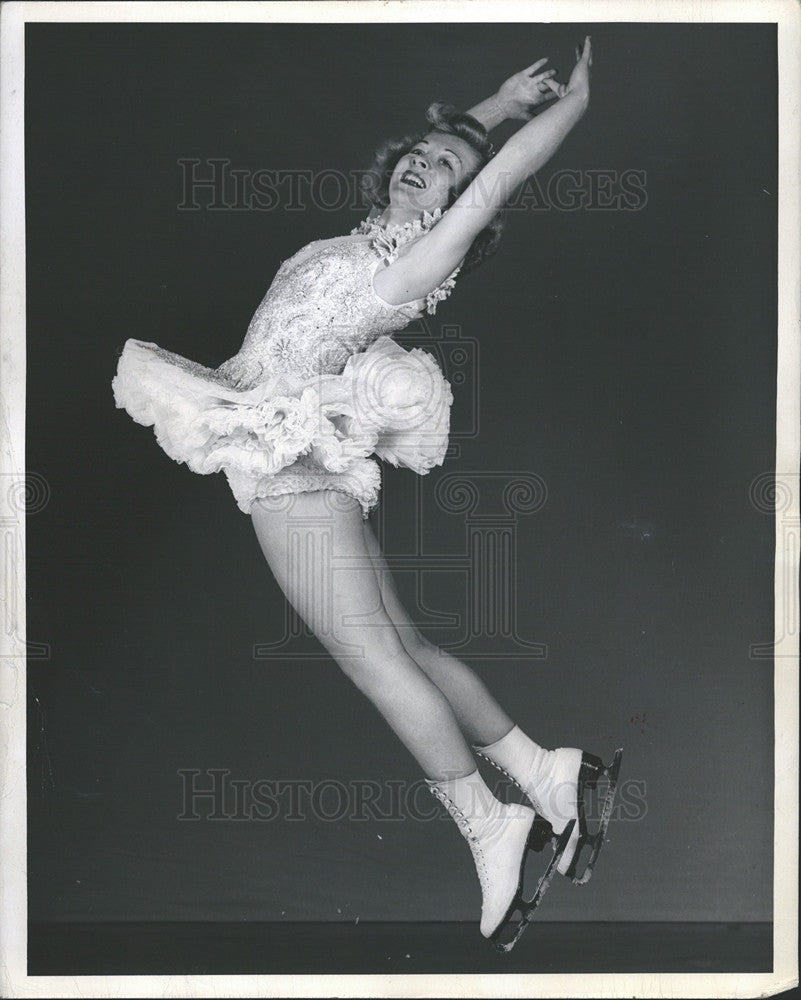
394,236
441,291
387,241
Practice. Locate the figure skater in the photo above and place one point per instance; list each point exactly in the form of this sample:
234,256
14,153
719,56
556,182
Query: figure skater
317,388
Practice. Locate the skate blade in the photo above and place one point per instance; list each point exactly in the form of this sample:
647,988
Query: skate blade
526,907
596,841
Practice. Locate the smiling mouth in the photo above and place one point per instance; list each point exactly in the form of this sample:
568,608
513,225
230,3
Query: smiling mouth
413,179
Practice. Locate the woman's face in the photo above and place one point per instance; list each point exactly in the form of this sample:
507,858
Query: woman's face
425,176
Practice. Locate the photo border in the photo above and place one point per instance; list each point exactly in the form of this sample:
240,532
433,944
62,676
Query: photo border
14,980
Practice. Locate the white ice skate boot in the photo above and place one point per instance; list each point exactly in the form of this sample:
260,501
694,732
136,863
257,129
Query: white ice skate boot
554,782
499,836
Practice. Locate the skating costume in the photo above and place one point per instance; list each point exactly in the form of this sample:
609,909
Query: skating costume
317,387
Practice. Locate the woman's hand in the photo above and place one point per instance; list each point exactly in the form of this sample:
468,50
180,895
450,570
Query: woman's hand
579,82
522,93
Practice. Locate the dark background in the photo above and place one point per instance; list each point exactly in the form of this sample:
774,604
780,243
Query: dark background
628,358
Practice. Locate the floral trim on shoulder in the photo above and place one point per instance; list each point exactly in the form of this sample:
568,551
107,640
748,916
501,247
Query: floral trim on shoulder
388,240
442,291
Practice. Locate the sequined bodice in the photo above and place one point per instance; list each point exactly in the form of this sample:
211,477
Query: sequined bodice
322,307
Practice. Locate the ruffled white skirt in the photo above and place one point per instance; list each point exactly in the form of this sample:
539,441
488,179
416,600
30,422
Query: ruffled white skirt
290,434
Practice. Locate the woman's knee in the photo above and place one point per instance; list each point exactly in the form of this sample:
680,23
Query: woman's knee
417,645
366,651
371,658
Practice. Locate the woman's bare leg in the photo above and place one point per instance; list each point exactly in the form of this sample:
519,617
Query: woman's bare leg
481,718
315,546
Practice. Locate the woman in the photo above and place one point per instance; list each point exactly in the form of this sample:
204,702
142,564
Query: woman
317,388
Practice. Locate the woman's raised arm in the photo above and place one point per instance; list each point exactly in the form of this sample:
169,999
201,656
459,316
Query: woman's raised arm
434,256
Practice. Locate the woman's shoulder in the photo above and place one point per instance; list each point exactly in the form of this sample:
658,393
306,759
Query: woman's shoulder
393,243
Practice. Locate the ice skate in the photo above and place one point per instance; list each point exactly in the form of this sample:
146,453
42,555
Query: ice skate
500,837
555,782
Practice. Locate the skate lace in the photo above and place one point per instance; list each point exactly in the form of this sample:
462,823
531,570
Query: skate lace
463,822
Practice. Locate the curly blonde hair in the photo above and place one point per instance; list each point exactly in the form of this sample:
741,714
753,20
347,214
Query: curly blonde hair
444,118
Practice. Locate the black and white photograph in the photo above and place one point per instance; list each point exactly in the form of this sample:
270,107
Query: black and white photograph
400,498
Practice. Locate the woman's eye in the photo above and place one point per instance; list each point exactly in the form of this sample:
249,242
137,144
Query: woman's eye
446,161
